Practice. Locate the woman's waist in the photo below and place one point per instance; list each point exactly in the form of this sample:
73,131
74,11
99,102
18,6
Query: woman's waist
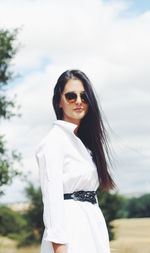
82,195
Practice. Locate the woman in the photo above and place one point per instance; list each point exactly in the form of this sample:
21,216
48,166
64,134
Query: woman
73,164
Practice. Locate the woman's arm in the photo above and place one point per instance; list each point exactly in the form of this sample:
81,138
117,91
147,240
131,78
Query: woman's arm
50,160
59,248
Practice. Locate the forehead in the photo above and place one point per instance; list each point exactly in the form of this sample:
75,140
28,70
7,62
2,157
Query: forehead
74,85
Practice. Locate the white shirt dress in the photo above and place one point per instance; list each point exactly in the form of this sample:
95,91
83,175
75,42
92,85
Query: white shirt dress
65,166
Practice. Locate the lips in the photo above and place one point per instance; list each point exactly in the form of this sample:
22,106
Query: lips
78,109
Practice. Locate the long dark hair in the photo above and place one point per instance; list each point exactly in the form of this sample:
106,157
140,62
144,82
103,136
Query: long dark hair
91,130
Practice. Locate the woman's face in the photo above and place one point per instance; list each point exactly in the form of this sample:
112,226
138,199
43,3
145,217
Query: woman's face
73,109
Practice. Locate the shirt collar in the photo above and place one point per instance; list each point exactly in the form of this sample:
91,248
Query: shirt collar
65,124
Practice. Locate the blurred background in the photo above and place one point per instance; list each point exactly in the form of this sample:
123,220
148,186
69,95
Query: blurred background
109,40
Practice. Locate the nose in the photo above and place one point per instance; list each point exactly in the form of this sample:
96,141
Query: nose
78,100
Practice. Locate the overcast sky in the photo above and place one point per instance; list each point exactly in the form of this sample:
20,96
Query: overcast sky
110,42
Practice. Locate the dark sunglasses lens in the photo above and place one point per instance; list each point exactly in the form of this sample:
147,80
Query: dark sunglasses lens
71,97
84,98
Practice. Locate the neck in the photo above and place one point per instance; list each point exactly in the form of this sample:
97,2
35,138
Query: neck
76,130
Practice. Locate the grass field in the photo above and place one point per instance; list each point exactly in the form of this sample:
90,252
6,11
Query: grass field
9,246
132,236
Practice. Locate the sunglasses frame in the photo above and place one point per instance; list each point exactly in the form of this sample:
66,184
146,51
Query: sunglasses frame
84,100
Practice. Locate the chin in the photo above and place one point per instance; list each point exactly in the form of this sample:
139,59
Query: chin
81,116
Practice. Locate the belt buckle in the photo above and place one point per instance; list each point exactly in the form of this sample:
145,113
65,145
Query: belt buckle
74,197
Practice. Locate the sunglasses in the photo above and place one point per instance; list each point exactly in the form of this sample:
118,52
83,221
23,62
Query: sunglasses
71,97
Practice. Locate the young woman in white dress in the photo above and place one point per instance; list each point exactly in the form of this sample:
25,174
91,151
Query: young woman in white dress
73,165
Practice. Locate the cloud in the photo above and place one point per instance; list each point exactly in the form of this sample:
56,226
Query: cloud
111,48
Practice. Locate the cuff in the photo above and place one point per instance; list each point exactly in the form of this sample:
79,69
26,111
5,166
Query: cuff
52,236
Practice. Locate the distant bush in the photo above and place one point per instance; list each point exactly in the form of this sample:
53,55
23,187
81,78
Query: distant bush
136,207
11,221
28,237
34,215
19,227
33,231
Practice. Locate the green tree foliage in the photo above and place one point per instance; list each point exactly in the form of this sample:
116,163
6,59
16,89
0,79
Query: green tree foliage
7,161
34,214
136,207
34,218
15,226
11,222
110,204
26,228
123,212
7,52
7,106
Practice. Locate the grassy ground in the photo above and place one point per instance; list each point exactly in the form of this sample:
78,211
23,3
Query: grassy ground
9,246
132,236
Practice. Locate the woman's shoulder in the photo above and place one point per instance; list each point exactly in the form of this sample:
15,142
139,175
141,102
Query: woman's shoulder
53,139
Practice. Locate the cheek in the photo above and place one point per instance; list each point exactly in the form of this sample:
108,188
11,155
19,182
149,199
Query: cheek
62,104
65,107
86,107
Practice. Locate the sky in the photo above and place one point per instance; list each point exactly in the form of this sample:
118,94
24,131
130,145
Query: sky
110,42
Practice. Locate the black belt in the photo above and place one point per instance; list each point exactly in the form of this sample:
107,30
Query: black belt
82,196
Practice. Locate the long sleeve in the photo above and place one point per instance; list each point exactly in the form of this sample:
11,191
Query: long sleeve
50,162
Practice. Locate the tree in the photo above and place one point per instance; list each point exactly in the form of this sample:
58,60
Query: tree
34,215
7,106
136,207
11,222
